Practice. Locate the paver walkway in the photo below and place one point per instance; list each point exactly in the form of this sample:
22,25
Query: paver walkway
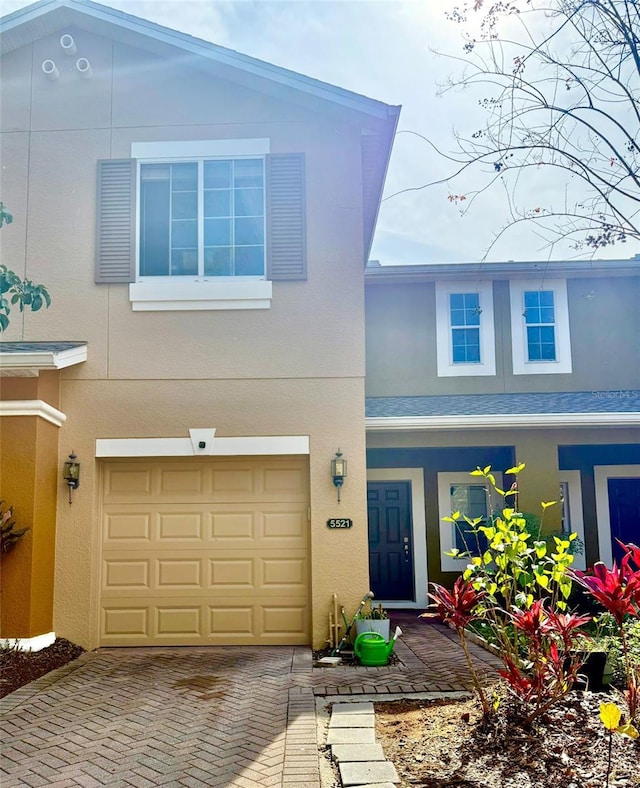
221,716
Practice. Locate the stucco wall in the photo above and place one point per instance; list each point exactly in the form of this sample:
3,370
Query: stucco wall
297,368
401,341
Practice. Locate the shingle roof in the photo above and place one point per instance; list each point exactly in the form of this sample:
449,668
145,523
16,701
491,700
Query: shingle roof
625,401
38,347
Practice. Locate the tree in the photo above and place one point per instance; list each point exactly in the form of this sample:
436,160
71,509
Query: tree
14,290
559,87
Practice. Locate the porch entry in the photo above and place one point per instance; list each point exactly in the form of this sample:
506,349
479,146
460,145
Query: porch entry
624,512
391,546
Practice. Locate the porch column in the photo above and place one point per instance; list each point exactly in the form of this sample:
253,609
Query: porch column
29,480
539,481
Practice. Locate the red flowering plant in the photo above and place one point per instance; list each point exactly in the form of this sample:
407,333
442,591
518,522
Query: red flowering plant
618,591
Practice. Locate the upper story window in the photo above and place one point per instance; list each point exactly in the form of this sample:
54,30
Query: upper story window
202,218
540,328
464,315
464,329
201,224
539,317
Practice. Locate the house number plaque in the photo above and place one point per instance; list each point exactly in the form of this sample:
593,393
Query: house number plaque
339,522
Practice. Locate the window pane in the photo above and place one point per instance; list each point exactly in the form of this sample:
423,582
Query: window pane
184,205
217,203
465,345
546,315
249,231
184,177
155,172
217,174
184,234
531,299
456,301
546,297
217,232
249,261
249,202
248,172
469,500
154,227
217,261
184,262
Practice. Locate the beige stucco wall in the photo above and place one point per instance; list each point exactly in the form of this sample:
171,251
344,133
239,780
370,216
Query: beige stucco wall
297,368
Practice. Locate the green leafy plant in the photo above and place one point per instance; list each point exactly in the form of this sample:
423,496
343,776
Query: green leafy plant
9,534
373,613
522,588
15,291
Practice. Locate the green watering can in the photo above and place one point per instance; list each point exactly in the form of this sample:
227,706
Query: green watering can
372,649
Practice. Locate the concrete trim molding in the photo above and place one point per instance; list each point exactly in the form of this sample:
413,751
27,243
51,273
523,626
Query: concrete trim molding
36,643
214,447
415,476
502,421
487,364
576,515
32,407
602,473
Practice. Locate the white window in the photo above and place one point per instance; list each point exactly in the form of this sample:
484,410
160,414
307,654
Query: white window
540,327
464,329
201,225
458,492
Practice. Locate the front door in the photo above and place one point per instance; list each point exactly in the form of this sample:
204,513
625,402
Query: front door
390,540
624,512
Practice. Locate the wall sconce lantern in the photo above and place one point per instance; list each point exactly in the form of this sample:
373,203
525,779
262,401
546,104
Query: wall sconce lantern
71,473
338,471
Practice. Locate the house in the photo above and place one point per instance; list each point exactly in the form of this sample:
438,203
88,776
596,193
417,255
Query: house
496,364
202,221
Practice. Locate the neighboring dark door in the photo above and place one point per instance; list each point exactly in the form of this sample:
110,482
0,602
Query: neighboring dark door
390,540
624,512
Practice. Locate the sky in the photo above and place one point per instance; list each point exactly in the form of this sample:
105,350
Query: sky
396,51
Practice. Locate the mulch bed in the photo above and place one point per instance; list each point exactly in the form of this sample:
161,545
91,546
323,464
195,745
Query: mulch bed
18,668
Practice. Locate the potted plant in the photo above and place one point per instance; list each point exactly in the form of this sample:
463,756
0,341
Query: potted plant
373,619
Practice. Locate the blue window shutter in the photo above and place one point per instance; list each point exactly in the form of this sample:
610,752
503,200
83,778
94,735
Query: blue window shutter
116,222
286,217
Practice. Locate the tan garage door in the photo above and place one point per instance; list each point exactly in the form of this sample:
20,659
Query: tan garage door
205,552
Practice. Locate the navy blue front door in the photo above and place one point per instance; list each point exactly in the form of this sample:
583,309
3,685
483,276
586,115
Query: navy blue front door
390,540
624,512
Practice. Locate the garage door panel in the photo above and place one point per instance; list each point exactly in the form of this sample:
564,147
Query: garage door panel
190,622
213,551
211,573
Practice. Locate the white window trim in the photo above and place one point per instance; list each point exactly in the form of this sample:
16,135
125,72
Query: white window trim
447,530
446,367
415,476
602,474
574,485
521,364
161,294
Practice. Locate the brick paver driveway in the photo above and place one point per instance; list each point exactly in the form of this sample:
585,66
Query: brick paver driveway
219,716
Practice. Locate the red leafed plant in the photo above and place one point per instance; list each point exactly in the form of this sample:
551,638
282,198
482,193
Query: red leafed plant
460,606
618,591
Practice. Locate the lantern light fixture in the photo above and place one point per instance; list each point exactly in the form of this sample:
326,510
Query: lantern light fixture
71,473
338,471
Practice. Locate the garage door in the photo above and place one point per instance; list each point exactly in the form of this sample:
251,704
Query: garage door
205,552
